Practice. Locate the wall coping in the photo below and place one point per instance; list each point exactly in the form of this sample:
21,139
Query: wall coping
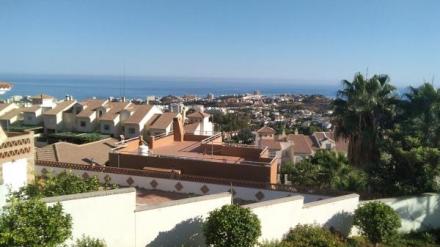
399,198
330,200
274,201
89,195
183,201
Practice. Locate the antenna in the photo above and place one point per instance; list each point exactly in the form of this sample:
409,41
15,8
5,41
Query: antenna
123,85
366,74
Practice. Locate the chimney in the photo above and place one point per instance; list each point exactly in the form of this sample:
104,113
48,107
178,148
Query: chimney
179,132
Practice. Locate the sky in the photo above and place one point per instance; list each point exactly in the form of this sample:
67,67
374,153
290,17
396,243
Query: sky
310,40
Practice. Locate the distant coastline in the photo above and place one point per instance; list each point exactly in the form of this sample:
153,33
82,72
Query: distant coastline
82,87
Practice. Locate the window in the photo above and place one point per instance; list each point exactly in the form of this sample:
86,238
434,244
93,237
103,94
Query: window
131,130
106,127
29,118
82,123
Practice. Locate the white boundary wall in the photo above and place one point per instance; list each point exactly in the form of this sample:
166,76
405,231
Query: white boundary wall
416,212
105,215
189,187
176,223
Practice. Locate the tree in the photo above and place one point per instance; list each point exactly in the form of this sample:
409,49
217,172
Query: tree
33,223
65,183
311,235
363,110
244,136
377,221
86,241
232,226
328,169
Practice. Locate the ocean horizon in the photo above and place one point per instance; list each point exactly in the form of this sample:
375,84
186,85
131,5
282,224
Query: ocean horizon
83,87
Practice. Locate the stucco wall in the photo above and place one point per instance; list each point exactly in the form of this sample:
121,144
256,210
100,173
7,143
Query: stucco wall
335,212
105,215
176,223
417,212
15,173
277,216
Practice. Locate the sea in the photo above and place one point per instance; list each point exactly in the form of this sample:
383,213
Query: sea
83,87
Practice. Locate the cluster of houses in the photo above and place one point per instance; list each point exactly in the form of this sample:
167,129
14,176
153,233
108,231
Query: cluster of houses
105,116
296,147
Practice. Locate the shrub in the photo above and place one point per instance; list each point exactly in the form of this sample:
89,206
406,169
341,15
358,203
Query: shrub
377,221
87,241
232,226
65,183
311,235
33,223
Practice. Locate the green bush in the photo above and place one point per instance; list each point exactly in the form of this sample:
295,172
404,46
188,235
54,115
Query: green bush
311,235
232,226
77,138
65,183
377,221
87,241
33,223
274,244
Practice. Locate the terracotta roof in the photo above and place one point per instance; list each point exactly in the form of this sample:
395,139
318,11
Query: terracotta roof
301,144
90,107
115,109
163,121
77,154
266,130
191,128
198,114
139,113
33,108
5,85
62,106
271,144
4,105
12,113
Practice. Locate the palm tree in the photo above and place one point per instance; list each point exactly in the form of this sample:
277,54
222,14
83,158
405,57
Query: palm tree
422,114
363,109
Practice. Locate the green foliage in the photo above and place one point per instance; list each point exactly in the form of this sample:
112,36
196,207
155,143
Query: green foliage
377,221
87,241
363,110
274,244
244,136
328,169
33,223
232,226
230,121
77,138
310,235
64,183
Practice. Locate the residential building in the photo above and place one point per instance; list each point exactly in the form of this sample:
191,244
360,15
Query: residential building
61,115
87,118
202,124
161,124
11,117
138,116
33,115
197,155
111,121
265,133
43,100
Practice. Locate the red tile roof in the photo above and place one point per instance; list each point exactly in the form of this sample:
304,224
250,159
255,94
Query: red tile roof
266,130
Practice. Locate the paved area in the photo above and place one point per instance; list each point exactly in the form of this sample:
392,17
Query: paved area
152,197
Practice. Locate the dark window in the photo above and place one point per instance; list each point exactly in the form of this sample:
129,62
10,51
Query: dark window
106,127
131,130
82,123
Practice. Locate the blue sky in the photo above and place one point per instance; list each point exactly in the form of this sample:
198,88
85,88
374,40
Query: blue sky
326,40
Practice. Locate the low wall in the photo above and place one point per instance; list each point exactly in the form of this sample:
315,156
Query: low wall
277,216
335,212
182,186
176,223
416,212
105,215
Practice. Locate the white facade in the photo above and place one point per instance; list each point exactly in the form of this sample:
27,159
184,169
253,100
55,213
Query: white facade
15,174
